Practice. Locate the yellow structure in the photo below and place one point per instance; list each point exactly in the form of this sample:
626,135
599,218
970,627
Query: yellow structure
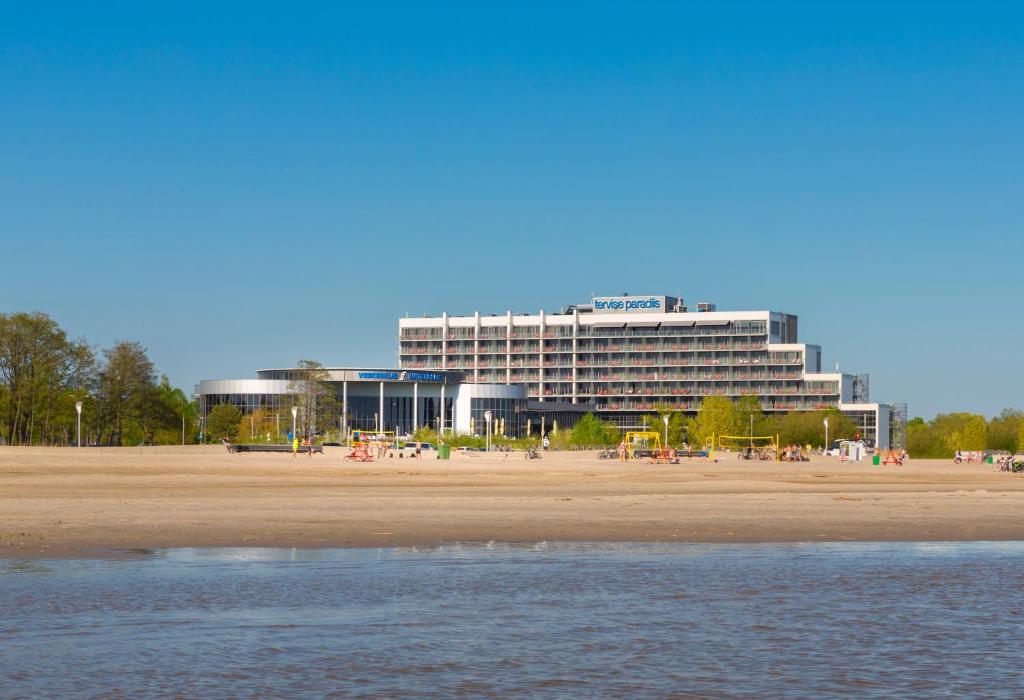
642,441
743,442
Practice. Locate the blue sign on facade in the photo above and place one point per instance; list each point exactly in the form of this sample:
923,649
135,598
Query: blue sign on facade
403,376
379,375
424,377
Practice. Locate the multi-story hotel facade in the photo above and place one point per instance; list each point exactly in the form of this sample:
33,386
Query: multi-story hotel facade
627,356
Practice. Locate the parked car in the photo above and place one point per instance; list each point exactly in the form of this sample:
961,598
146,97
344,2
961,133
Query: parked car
833,450
408,449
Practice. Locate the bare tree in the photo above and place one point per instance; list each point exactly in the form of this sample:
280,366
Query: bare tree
308,386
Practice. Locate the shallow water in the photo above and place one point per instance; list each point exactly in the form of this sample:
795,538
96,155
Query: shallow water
567,620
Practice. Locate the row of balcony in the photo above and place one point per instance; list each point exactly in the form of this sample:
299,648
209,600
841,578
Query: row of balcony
502,348
468,363
695,405
501,333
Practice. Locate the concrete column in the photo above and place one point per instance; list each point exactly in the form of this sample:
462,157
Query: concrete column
442,410
508,349
540,357
380,413
575,332
415,406
344,410
444,341
476,347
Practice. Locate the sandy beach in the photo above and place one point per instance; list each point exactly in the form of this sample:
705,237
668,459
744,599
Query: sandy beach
68,502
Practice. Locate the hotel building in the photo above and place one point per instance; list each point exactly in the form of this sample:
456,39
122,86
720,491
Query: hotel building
625,356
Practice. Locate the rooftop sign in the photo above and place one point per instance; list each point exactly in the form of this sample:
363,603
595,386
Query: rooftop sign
655,303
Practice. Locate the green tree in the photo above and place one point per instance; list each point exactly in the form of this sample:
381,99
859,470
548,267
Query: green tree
42,373
677,424
971,435
127,392
1004,430
591,431
749,412
717,416
223,422
922,440
808,427
958,431
174,416
256,426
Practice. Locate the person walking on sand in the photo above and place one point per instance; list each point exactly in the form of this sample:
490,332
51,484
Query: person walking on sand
622,451
295,445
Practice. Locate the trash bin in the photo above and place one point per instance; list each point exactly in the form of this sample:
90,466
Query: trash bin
989,459
876,460
444,451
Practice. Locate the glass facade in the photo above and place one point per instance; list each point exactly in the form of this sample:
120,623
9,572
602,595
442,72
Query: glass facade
362,413
248,403
508,416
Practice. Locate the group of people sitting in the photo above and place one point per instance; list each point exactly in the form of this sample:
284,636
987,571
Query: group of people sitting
758,453
793,453
968,456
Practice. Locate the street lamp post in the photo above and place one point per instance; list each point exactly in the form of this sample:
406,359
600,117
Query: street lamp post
295,413
751,430
825,421
665,418
78,410
487,419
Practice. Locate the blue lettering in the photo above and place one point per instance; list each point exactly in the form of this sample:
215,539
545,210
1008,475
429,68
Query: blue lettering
378,375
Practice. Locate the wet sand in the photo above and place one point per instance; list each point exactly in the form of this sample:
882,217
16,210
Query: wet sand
66,502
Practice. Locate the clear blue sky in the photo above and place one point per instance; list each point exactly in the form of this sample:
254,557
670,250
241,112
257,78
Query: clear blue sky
246,185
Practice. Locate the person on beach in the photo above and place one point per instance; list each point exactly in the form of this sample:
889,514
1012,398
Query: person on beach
547,443
295,445
418,447
622,451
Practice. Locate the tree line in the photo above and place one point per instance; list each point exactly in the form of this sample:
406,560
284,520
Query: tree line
938,438
946,433
718,415
44,373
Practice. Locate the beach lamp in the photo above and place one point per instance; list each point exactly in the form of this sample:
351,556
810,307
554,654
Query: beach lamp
78,410
487,419
825,421
295,413
665,419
